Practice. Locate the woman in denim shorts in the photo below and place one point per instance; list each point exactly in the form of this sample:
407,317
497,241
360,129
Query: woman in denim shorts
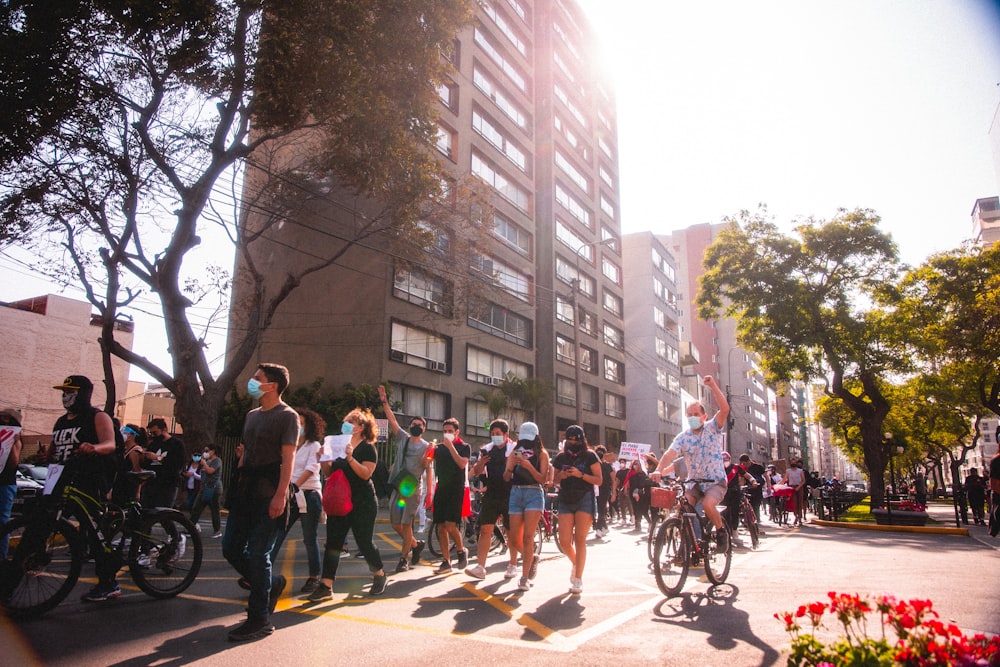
578,470
526,471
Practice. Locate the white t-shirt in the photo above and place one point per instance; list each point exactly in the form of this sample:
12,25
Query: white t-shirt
306,459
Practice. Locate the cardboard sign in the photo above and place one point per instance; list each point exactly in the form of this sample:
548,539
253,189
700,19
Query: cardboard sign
633,450
7,436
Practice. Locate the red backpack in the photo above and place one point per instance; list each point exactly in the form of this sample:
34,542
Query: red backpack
337,494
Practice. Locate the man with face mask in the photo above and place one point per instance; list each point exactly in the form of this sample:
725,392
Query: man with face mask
795,477
164,455
701,445
83,439
451,461
210,470
413,462
492,461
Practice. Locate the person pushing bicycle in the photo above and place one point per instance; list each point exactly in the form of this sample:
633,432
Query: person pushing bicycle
701,445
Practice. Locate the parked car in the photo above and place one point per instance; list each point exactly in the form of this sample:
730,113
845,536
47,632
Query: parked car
27,488
37,473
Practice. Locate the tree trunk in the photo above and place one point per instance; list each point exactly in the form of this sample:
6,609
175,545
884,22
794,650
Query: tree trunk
875,458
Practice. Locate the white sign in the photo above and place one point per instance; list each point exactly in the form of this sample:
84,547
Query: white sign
334,447
7,436
633,450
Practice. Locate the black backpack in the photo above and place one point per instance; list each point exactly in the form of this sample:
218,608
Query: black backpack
380,478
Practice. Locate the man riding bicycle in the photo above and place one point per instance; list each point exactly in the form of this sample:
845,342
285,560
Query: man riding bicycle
701,445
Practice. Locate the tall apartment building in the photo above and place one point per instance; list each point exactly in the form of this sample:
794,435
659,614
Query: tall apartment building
750,427
986,221
654,351
528,113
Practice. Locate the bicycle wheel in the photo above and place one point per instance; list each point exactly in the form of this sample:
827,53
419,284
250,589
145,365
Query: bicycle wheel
670,557
555,531
654,522
539,538
717,561
750,521
43,563
165,553
498,541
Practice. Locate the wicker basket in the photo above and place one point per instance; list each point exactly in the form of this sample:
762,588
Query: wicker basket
662,498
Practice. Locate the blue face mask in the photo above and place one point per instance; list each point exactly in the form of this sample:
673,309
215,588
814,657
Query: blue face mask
253,388
694,423
302,431
196,458
347,428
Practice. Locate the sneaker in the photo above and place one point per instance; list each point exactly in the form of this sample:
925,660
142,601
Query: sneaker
277,588
722,539
360,555
243,583
378,585
524,584
181,547
533,570
197,528
142,560
511,571
463,559
575,585
253,628
416,551
345,554
310,585
99,593
217,534
443,568
477,572
321,593
403,565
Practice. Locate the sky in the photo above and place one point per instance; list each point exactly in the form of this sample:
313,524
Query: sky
804,106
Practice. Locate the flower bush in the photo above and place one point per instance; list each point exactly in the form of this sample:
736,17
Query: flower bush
920,637
910,506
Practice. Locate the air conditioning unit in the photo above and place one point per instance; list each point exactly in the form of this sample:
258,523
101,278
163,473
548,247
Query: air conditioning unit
493,381
439,366
397,355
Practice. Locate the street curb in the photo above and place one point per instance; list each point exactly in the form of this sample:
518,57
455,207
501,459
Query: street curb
931,530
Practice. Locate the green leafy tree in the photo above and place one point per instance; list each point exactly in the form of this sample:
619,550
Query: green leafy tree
132,118
806,303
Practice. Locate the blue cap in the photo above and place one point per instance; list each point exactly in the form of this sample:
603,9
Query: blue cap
527,431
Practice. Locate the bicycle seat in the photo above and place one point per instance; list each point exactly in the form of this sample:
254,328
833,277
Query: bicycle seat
142,475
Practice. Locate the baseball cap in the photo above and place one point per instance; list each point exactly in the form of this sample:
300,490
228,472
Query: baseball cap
575,431
727,456
527,431
75,382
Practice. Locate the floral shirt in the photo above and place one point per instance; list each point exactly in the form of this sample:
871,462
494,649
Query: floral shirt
702,451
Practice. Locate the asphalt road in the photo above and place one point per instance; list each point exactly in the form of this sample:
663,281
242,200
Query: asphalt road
621,617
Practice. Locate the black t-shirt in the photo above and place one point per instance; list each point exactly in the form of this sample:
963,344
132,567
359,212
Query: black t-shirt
448,474
496,456
360,488
571,486
67,435
168,471
607,477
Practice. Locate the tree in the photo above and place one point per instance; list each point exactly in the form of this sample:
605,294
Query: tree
131,116
807,304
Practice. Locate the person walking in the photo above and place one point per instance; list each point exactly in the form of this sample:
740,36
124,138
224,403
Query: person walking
10,456
451,461
210,493
411,470
358,464
605,493
975,491
258,505
578,471
492,463
795,477
527,468
165,456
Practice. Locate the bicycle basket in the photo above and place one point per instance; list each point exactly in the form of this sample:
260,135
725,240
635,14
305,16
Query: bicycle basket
662,498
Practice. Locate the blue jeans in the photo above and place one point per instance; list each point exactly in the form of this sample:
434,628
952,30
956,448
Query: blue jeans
7,493
310,531
250,536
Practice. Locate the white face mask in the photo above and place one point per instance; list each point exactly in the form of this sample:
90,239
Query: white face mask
450,437
497,440
68,399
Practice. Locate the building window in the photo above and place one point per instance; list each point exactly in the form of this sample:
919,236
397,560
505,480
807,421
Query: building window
482,125
659,317
611,271
588,360
503,276
614,405
492,91
512,72
429,404
606,176
571,106
448,94
610,239
423,290
661,410
505,28
607,207
565,350
505,187
661,378
613,303
564,311
478,418
487,368
605,148
565,391
574,207
419,347
614,370
614,336
570,170
588,323
501,322
661,348
574,242
588,398
568,273
512,234
446,142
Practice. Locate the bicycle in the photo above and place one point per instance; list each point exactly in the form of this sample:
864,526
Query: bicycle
49,543
749,519
470,533
548,526
661,500
677,548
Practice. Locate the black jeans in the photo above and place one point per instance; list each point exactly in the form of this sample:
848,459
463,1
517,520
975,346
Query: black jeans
360,521
602,509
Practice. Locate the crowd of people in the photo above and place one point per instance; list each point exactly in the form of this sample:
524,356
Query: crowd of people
281,466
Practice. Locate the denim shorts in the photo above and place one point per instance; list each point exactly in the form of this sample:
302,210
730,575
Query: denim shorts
527,498
587,503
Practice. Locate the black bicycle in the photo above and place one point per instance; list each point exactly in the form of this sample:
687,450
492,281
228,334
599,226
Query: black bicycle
677,546
48,545
749,518
470,533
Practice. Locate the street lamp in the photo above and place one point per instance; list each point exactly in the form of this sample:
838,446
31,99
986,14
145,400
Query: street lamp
576,327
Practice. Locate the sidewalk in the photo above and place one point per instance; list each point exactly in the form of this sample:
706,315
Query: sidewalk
941,512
